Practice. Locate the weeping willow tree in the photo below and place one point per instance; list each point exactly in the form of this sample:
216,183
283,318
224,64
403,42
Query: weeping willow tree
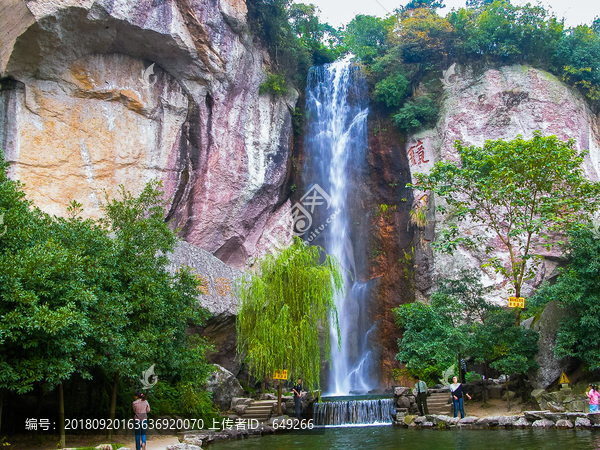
281,305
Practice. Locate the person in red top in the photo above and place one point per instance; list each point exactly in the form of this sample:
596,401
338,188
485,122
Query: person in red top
141,408
593,395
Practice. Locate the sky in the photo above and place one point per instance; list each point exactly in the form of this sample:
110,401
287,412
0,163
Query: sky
340,12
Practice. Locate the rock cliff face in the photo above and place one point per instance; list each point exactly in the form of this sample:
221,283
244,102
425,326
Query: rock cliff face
94,94
497,104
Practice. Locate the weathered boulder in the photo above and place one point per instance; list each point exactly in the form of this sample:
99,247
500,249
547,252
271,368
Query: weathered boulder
537,394
522,422
224,387
495,390
403,402
469,420
550,368
535,415
192,440
555,416
241,401
511,395
239,409
400,391
183,446
555,407
507,421
563,423
543,423
216,295
582,422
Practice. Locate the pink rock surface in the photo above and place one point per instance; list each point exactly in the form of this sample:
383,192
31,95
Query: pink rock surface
501,104
108,92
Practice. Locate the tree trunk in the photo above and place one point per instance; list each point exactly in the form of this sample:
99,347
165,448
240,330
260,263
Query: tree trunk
61,410
113,402
485,376
518,313
1,398
507,396
279,399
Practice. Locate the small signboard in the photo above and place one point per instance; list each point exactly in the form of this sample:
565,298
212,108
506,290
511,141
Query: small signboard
516,302
563,379
280,375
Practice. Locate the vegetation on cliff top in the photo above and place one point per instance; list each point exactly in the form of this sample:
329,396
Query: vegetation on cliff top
405,53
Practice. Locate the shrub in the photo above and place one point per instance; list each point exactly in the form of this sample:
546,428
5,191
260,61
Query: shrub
416,114
275,84
392,90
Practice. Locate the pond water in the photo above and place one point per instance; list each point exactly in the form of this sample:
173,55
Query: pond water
388,437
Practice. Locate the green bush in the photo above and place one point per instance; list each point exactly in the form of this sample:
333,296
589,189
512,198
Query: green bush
392,91
416,114
275,84
472,376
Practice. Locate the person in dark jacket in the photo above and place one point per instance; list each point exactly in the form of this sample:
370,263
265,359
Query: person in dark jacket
298,398
457,390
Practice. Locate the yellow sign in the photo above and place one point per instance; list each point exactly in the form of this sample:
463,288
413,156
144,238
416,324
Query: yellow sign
516,302
563,379
280,375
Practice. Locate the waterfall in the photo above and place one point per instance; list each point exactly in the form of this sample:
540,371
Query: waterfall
335,146
354,412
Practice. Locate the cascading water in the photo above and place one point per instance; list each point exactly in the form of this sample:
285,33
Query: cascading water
335,146
354,412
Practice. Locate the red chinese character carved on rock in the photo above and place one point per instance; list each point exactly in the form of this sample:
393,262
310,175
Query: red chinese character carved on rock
416,154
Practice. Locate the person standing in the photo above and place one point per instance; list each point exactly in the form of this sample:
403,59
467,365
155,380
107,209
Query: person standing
421,388
457,390
593,395
141,408
298,398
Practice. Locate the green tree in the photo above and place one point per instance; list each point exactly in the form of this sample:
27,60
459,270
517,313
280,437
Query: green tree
424,37
392,91
415,114
438,334
577,290
501,345
43,299
367,37
281,306
149,308
524,193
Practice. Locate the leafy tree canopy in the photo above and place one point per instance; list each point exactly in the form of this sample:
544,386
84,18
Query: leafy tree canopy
281,308
459,323
577,290
521,193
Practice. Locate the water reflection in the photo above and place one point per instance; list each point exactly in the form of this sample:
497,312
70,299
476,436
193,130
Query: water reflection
388,437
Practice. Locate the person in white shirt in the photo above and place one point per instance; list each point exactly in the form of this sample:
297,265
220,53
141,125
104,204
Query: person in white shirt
421,388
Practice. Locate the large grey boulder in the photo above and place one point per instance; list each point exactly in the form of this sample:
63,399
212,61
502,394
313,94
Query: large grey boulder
183,446
522,422
550,368
216,295
224,387
543,423
582,422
